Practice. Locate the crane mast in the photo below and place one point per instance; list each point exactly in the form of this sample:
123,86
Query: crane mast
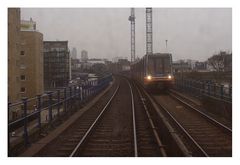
149,39
149,42
131,18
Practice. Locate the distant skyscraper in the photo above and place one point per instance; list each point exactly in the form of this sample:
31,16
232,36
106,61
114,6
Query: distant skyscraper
84,56
74,53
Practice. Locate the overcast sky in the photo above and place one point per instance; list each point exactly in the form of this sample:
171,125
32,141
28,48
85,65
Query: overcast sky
192,33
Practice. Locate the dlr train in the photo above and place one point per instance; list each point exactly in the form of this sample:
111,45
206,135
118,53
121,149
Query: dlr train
154,71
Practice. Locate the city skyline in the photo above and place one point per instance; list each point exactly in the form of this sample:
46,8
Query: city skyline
193,33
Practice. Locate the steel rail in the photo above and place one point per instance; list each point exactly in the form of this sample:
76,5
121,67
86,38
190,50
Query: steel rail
172,131
185,97
134,122
159,142
93,124
184,130
217,123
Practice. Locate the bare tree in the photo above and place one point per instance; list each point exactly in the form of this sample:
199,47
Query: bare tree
217,62
222,64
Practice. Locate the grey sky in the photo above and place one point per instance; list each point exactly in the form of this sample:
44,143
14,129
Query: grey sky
192,33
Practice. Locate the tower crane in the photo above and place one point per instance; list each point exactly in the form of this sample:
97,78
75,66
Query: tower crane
131,18
149,39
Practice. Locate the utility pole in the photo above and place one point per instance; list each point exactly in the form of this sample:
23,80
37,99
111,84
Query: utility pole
166,46
131,18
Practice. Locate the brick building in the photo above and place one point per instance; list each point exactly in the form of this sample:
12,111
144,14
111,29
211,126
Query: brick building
13,54
31,64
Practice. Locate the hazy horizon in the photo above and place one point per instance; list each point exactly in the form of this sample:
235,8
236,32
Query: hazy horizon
192,33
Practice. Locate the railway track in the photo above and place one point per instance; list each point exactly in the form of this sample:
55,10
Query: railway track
122,127
64,144
203,135
197,105
149,142
124,130
113,135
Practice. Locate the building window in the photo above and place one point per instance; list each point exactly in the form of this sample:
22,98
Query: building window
23,77
22,52
23,90
22,66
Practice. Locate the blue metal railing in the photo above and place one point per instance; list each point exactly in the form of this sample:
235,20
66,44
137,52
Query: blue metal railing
30,114
205,88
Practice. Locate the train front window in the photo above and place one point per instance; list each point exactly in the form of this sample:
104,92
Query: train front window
151,69
167,65
159,65
162,65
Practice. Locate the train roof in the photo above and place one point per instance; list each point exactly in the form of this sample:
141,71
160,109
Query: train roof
154,55
159,55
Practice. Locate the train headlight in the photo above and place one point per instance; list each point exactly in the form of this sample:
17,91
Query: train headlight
149,77
169,76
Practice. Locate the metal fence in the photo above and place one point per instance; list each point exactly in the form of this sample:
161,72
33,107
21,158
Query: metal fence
31,114
205,88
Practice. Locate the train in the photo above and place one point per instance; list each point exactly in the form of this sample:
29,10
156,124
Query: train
154,71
